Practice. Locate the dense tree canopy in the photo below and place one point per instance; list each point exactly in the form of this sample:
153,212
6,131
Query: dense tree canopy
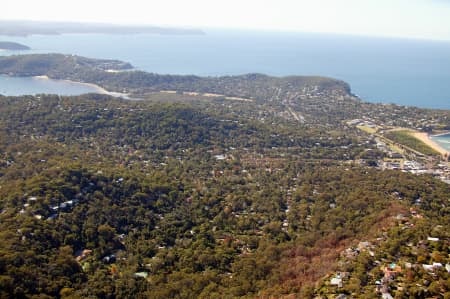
104,198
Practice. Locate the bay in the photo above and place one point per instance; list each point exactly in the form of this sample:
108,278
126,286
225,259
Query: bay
401,71
16,86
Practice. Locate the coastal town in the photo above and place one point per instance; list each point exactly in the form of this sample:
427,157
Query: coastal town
402,157
387,275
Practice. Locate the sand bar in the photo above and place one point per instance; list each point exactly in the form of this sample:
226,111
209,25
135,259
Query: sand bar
98,89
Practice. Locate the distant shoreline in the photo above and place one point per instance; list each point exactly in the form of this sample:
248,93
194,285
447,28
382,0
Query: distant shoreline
27,28
13,46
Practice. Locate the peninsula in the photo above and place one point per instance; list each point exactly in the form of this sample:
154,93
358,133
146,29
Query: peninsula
12,46
26,28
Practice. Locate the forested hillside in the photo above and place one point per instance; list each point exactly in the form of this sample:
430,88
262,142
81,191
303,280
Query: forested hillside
106,198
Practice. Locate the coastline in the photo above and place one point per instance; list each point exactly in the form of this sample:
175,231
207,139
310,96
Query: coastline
97,88
43,77
440,134
100,89
425,138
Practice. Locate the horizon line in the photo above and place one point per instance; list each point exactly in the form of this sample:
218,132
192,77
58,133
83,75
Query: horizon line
224,28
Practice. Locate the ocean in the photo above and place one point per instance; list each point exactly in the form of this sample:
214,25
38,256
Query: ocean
443,141
402,71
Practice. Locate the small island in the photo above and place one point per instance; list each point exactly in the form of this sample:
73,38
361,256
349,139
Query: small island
12,46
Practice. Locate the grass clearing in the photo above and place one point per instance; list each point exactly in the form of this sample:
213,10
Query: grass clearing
407,138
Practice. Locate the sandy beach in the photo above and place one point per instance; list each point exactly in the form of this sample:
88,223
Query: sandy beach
41,77
101,90
97,88
428,141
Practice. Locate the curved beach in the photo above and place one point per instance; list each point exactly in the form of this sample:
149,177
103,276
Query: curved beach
425,138
98,89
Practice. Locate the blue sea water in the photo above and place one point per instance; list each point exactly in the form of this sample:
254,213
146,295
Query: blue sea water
16,86
443,141
402,71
